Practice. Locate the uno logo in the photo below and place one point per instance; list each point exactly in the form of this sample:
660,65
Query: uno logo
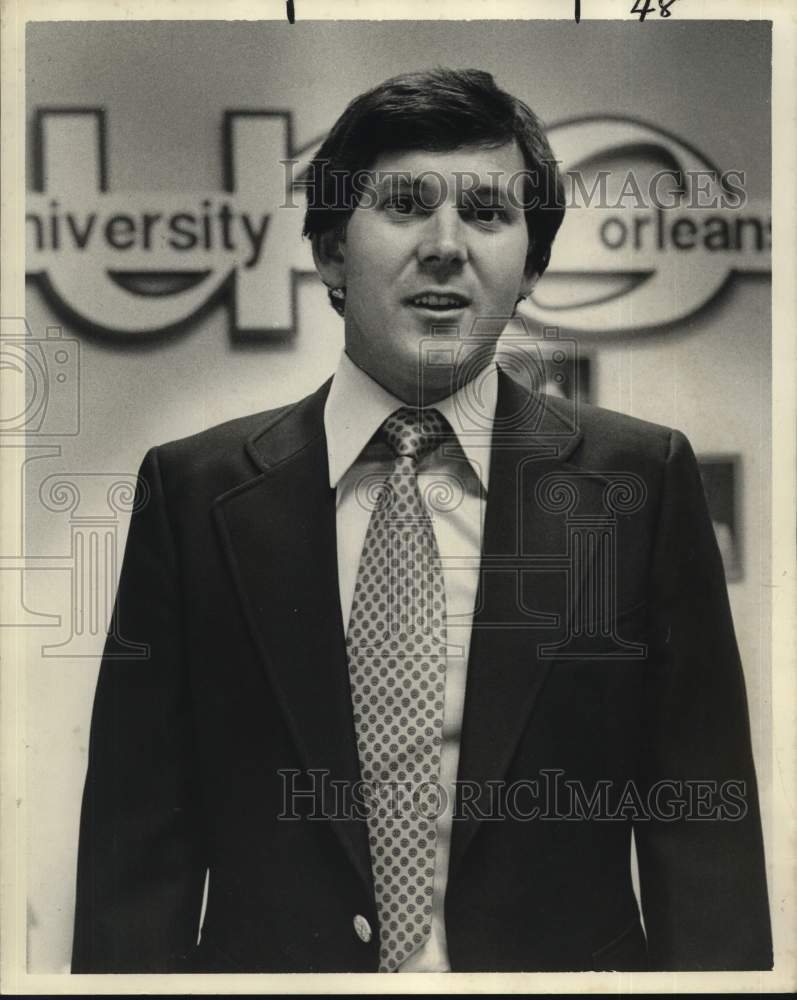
145,262
141,263
643,247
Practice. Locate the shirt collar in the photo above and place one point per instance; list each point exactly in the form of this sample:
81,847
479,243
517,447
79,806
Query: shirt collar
357,406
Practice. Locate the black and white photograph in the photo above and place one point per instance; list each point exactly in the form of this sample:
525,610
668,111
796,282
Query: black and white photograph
398,545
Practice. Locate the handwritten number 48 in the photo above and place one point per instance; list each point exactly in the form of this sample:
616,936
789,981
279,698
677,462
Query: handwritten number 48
645,7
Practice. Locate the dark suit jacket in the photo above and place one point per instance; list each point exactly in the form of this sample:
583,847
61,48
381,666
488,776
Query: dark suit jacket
629,674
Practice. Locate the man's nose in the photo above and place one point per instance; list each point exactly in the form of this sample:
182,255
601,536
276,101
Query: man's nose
443,242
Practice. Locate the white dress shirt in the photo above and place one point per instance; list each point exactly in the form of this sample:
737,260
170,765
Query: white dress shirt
355,409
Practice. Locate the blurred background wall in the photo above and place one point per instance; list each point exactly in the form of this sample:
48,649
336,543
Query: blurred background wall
164,88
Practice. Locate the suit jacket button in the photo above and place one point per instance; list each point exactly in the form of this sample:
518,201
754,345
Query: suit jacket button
362,928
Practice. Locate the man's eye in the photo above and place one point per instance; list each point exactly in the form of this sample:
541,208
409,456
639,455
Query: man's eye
401,206
486,214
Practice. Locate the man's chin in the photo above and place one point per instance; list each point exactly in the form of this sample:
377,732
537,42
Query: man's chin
426,369
425,381
428,391
413,389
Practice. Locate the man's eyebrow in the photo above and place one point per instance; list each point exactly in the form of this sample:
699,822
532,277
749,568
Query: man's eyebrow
485,190
466,185
388,181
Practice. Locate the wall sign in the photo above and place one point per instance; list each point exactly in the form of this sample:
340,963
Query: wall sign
139,263
661,241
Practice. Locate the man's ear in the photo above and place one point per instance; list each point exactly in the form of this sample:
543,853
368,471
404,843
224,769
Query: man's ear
329,257
530,275
530,279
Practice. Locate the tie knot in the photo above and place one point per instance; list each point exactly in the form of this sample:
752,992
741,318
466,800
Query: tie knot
414,433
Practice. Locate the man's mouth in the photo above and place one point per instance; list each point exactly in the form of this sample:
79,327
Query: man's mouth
439,302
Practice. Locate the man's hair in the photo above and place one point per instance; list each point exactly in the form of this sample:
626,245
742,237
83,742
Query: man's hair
437,110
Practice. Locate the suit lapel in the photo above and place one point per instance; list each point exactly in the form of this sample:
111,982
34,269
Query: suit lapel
278,530
279,534
514,606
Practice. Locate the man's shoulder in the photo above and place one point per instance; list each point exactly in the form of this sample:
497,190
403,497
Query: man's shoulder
219,458
607,435
604,435
615,429
233,437
593,433
218,440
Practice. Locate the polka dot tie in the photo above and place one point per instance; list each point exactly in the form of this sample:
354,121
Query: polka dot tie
396,649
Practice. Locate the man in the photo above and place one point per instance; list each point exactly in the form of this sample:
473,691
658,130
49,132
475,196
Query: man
423,654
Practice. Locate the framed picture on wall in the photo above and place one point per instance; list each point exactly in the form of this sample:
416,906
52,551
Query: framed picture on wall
721,475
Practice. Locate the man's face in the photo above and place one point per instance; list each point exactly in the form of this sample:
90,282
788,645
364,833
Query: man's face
440,245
